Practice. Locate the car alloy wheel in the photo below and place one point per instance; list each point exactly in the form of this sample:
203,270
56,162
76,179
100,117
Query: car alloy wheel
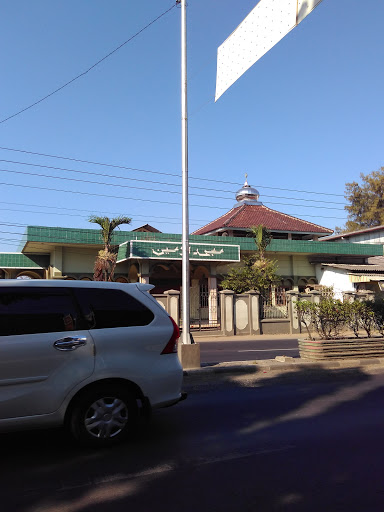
106,417
103,416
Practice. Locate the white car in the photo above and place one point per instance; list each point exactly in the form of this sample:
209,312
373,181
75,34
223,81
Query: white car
89,355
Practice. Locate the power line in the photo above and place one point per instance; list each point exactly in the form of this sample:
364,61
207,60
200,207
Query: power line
163,173
126,178
153,200
62,214
93,163
105,183
91,182
95,173
101,195
149,189
89,211
89,69
166,219
151,219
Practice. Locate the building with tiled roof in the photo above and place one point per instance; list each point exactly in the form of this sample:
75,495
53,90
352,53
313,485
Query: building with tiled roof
366,276
373,235
249,212
145,255
146,228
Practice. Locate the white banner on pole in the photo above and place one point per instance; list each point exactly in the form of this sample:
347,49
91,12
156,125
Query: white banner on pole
264,27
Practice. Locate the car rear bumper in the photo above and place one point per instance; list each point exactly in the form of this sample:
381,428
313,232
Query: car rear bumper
168,403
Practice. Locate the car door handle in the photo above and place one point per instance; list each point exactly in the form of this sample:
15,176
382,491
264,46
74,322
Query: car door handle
69,343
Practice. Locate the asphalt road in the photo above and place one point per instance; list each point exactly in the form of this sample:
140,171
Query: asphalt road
247,350
291,442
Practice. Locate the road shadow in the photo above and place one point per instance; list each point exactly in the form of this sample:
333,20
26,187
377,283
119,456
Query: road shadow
282,442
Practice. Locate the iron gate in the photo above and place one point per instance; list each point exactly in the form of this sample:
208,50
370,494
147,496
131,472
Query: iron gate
274,304
204,309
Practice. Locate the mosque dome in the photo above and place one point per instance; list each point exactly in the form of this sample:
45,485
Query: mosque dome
247,195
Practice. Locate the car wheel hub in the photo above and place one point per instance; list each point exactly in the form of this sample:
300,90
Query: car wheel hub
106,417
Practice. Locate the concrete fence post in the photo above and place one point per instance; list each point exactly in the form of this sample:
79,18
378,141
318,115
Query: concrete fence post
212,300
315,296
173,304
254,311
161,299
227,312
293,297
241,315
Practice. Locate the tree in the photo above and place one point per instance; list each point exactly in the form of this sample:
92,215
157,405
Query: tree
262,237
366,202
254,275
258,272
105,263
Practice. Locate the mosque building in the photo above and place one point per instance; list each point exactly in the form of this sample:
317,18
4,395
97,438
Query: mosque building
249,211
149,256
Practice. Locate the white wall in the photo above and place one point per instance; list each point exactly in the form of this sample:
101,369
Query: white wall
376,237
337,278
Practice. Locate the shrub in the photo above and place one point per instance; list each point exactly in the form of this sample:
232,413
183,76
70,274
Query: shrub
330,318
367,316
305,312
327,317
255,274
377,307
353,312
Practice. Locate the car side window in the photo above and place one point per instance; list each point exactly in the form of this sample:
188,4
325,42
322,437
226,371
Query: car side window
107,308
32,311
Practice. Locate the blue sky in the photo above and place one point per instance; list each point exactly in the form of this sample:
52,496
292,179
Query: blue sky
307,117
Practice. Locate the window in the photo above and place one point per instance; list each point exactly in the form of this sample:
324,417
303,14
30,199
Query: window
105,308
27,311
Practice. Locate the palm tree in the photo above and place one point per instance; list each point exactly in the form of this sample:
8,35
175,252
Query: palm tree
262,237
105,263
258,272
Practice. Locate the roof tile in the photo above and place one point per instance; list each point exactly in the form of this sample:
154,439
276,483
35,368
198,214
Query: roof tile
247,215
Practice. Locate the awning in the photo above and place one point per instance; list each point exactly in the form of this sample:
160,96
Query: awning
365,278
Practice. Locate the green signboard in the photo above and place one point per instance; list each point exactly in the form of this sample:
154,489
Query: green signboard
172,251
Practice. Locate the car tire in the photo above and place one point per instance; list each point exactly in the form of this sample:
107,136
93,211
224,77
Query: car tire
103,416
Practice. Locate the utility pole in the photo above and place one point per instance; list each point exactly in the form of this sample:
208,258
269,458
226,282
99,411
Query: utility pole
186,337
189,352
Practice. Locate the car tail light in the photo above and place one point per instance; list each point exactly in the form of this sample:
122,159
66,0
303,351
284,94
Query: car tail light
171,346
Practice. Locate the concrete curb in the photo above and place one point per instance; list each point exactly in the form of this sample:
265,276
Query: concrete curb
285,364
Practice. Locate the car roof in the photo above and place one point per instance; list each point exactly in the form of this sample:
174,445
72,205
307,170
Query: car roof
49,283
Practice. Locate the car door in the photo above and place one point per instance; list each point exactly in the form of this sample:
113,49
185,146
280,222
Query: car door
45,349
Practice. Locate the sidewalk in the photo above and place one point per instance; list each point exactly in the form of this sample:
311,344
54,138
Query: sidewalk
284,363
295,370
277,365
281,364
201,336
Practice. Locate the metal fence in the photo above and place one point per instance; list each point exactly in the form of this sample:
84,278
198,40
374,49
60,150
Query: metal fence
204,310
275,304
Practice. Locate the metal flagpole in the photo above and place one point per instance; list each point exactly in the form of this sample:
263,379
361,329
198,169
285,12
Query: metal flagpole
186,338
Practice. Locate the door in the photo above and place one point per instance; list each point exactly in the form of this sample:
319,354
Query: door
45,349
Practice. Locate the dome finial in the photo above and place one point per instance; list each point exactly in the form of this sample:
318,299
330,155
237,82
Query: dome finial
247,194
